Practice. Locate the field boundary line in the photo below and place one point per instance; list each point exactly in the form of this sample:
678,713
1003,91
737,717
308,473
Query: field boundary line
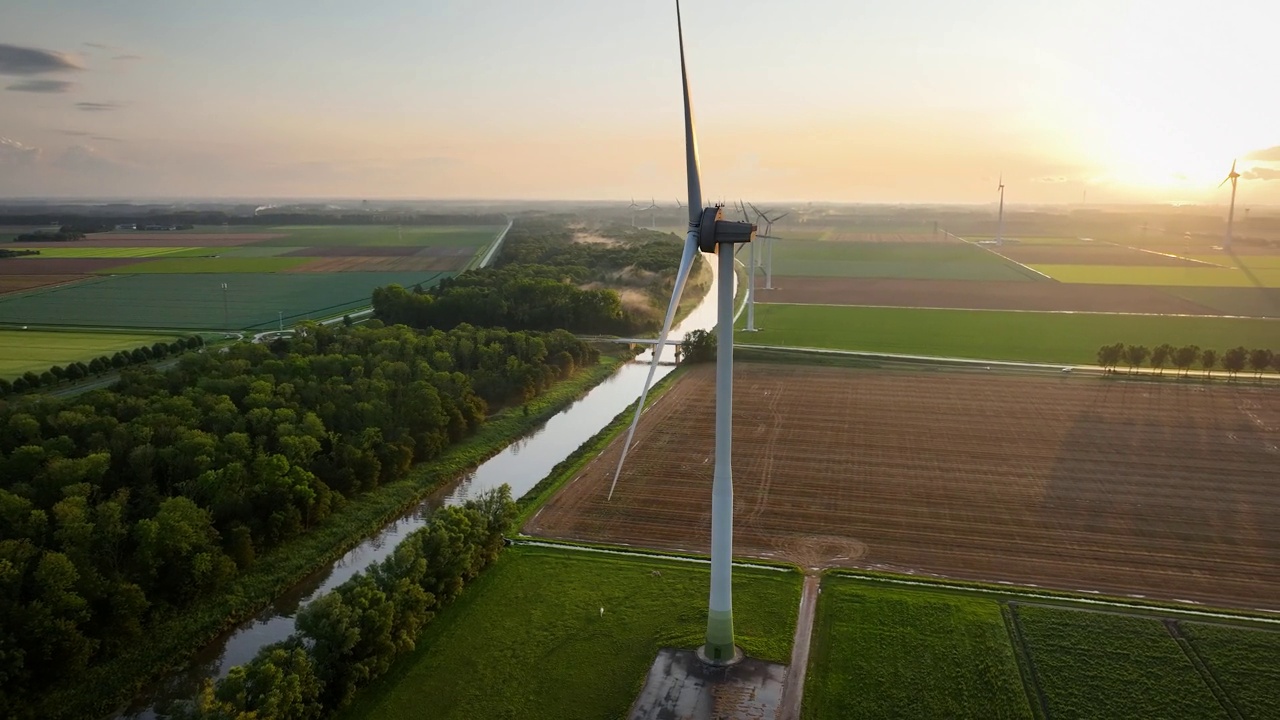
1007,258
1269,617
1034,312
1026,664
1202,667
531,541
493,247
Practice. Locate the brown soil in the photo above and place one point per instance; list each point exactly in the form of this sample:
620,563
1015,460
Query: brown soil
1157,488
1089,254
862,237
158,239
381,264
18,283
988,295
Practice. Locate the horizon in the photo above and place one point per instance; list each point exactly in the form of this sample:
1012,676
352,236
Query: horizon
922,104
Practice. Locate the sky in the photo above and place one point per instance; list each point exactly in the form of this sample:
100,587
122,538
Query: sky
809,100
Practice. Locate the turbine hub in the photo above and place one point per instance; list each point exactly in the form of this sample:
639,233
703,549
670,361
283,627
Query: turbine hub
714,231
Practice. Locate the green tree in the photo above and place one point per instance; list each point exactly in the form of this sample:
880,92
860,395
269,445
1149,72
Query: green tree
699,346
95,366
1160,356
1233,360
59,373
1259,361
1184,357
33,380
1109,356
280,683
1134,355
1208,359
6,387
74,372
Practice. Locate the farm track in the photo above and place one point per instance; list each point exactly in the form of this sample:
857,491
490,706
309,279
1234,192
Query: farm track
1136,488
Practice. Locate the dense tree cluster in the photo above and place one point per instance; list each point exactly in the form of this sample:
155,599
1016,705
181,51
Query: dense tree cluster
7,253
1184,358
350,636
63,234
119,507
545,280
698,346
97,366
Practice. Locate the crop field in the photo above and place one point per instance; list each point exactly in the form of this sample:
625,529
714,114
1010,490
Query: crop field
1104,665
528,639
935,261
1162,489
1243,661
35,351
1191,275
995,335
888,653
173,279
251,301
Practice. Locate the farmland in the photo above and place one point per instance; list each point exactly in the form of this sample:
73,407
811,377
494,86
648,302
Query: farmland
1107,665
1068,482
528,640
35,351
1244,663
994,335
174,279
882,652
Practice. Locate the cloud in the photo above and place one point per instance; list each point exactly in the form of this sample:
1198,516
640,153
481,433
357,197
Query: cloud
1261,173
13,152
97,106
80,158
42,86
1271,154
15,60
127,57
104,138
99,46
1051,179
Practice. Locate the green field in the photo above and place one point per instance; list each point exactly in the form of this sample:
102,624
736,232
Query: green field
1199,276
206,265
252,300
890,653
374,235
1251,301
995,335
917,261
23,350
1246,663
108,252
527,640
1103,665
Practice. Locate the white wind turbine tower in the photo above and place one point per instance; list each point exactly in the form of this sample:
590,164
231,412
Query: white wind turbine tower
653,214
1232,176
1000,222
633,207
709,233
768,246
753,265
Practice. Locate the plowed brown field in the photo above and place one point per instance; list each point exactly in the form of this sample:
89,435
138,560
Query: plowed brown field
381,264
18,283
1163,489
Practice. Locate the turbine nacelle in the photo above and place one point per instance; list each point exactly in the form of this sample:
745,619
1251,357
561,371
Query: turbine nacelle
713,230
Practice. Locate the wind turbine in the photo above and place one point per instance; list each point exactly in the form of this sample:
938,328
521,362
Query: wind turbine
709,233
1233,176
768,247
653,214
751,277
633,206
1000,222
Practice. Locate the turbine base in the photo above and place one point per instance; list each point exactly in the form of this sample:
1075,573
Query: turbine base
726,657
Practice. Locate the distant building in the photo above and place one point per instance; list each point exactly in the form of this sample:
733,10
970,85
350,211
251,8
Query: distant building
127,226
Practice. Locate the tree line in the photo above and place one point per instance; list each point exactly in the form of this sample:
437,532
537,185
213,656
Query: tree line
350,636
140,355
121,507
1184,358
544,280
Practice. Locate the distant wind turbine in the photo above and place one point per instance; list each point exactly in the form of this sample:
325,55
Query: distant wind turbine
633,206
653,214
1232,176
710,233
1000,222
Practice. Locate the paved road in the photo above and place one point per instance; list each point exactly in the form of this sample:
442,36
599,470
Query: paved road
793,691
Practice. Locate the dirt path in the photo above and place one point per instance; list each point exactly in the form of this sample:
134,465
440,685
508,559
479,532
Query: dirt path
793,690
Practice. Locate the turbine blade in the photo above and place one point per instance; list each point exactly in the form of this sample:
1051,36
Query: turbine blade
690,248
1224,182
682,275
1233,167
780,217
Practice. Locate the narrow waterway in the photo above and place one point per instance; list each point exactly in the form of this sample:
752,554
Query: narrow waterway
521,465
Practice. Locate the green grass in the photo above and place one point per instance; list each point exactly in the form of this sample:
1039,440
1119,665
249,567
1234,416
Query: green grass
891,653
427,236
1199,275
1245,662
932,261
1102,665
996,335
196,301
1252,262
23,350
527,640
208,265
107,252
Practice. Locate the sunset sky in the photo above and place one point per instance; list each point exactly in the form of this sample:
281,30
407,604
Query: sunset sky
912,101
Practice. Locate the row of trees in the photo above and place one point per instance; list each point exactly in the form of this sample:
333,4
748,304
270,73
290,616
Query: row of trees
121,506
351,636
1184,358
545,280
97,366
